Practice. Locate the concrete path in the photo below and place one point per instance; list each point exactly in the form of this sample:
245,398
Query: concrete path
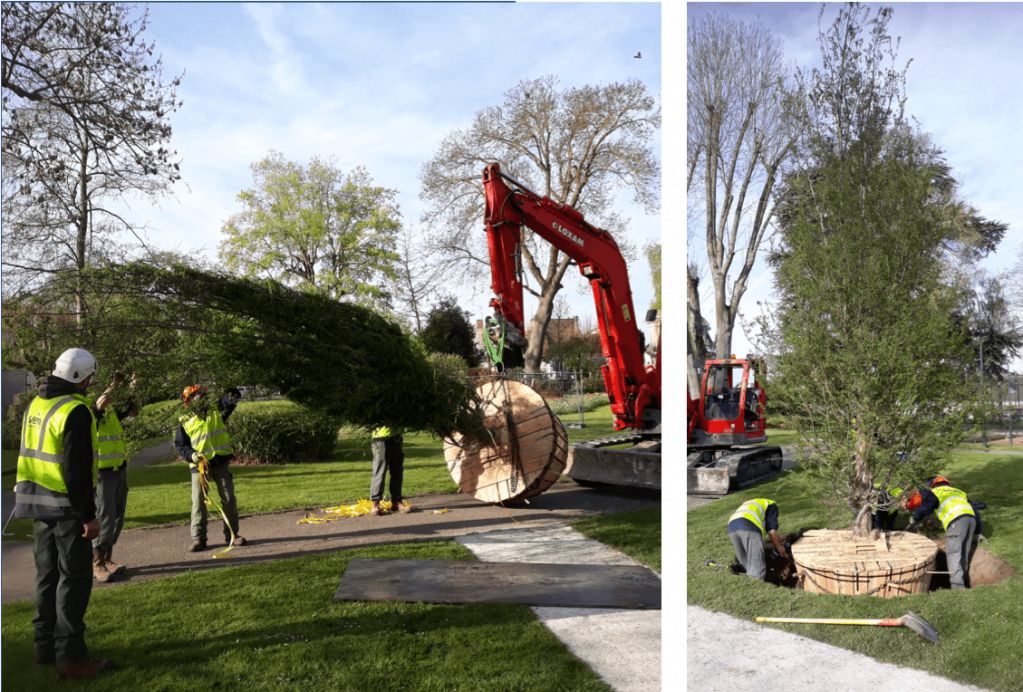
622,646
727,654
151,553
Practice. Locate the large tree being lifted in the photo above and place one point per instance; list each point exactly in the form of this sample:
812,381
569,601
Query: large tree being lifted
341,358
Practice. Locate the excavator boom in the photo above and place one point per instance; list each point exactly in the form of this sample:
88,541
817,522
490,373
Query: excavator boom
633,388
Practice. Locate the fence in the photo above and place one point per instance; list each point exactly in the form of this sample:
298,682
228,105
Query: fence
563,392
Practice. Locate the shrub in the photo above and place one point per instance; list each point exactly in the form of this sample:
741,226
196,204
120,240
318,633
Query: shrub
13,417
570,404
275,432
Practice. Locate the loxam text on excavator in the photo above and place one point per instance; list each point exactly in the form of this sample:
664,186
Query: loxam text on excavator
724,422
633,387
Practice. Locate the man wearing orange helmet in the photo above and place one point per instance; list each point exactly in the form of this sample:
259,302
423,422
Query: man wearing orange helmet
202,437
958,517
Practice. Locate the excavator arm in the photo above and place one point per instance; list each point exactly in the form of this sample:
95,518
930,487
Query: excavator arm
633,389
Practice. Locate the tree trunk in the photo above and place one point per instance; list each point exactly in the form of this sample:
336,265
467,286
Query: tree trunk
861,484
538,330
697,351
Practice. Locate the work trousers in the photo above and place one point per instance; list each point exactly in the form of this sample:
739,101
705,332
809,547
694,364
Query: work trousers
111,500
388,458
63,586
958,541
220,476
749,551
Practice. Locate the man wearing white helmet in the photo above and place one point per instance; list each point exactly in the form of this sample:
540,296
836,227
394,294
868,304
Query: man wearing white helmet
55,488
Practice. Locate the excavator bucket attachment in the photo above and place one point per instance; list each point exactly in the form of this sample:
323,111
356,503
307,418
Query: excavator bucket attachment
612,462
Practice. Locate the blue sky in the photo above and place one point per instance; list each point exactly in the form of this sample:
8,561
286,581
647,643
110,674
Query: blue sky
372,84
962,87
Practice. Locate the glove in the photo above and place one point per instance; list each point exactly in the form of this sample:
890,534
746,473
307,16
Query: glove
911,525
981,538
196,457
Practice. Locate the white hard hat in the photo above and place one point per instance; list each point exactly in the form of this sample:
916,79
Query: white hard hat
74,365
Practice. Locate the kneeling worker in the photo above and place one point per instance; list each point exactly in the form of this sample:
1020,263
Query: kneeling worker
747,528
957,517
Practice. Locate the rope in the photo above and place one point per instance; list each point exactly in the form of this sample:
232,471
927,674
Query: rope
357,509
204,486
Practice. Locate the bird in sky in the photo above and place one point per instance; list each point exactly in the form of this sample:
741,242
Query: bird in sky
638,55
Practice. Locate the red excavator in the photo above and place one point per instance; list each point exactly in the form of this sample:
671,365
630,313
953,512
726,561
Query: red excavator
724,420
633,388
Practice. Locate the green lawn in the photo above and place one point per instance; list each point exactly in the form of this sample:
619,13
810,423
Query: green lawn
274,626
637,534
980,629
161,493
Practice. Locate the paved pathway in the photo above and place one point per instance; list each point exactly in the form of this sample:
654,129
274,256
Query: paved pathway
622,646
162,551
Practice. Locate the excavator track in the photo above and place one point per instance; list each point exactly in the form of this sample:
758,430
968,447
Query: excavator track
604,462
717,472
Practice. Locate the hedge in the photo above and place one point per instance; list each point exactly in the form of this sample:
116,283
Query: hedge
275,432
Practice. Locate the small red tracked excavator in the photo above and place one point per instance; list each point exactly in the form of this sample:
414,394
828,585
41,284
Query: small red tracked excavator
633,388
724,420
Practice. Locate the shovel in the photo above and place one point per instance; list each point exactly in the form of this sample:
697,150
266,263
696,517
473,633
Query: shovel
910,620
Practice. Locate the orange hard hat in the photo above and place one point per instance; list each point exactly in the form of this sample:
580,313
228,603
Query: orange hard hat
939,480
913,499
192,391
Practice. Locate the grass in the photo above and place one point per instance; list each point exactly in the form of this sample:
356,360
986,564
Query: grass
636,533
980,628
161,493
275,626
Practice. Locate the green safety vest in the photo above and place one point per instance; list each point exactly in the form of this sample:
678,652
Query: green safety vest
383,432
208,435
112,451
754,510
40,488
953,504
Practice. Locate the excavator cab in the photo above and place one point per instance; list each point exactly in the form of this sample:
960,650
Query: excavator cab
731,407
728,415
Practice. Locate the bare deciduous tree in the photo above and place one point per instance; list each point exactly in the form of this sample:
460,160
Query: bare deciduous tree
577,146
739,137
85,122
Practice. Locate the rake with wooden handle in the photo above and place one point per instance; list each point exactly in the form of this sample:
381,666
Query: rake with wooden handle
910,620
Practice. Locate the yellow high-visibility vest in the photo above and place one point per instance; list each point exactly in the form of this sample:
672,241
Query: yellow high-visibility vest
112,451
208,435
953,504
755,510
40,481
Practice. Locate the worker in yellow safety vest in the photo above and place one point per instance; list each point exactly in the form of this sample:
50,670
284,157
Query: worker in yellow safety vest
112,483
202,438
957,516
388,458
747,527
55,489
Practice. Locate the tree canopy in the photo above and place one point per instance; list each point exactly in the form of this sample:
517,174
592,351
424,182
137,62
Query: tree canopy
85,123
449,330
317,229
576,145
871,361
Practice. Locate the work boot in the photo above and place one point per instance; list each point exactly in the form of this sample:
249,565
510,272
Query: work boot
88,668
197,545
376,509
399,506
238,540
112,566
100,571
